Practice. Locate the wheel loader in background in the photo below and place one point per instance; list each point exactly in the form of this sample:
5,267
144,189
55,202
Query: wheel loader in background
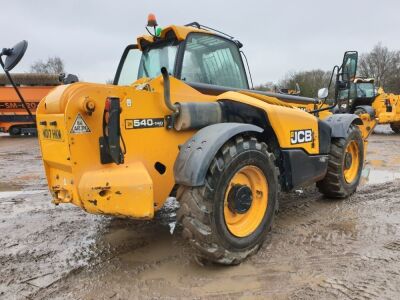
181,120
362,97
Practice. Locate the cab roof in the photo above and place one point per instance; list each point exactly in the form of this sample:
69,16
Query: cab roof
364,80
170,32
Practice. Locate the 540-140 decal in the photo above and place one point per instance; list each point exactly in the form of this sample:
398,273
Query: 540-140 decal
144,123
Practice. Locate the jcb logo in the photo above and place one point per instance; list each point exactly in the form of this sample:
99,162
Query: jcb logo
301,136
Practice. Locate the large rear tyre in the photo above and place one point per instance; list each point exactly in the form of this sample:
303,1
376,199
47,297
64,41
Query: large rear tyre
345,165
395,127
228,218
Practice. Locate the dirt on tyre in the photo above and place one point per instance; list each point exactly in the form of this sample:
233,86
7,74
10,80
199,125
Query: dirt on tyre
395,127
346,159
228,218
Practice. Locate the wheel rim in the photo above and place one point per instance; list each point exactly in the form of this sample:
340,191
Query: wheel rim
351,167
245,223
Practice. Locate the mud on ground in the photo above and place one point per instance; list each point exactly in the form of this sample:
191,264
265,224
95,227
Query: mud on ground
318,249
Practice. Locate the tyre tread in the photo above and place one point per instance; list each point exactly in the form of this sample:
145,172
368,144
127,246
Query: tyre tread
195,211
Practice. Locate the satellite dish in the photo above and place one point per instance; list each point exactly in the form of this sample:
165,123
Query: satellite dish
14,55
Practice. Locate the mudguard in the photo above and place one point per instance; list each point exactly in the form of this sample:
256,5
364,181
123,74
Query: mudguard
340,124
196,154
368,109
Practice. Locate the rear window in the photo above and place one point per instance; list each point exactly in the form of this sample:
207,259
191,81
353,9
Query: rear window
213,60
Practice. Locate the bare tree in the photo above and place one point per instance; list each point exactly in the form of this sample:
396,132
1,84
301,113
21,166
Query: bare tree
383,65
309,81
53,65
268,86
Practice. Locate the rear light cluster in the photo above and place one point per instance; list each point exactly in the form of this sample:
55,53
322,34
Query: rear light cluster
110,149
107,108
108,105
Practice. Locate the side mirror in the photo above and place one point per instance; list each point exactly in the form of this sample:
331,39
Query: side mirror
323,93
14,55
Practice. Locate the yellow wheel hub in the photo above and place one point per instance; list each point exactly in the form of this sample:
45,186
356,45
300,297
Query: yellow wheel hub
351,162
248,189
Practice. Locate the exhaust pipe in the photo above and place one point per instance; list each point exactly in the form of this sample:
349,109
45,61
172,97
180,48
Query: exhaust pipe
191,115
167,91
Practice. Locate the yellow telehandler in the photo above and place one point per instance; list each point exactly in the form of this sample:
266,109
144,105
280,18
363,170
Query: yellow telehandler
182,120
363,97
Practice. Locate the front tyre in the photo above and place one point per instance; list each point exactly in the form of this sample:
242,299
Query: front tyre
345,165
228,218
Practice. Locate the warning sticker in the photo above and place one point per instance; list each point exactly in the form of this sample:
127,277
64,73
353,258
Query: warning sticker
80,125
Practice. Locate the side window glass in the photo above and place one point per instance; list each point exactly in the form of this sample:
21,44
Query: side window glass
155,58
191,71
213,60
129,66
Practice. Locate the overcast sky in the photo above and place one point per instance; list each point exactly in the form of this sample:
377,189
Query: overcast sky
278,36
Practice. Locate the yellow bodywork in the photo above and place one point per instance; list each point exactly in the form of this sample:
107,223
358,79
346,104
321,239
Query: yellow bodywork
379,105
180,32
135,188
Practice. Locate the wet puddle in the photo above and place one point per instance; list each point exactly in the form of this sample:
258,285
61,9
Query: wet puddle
5,187
373,176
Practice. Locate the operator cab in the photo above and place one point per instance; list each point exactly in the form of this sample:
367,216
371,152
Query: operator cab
363,91
201,58
207,59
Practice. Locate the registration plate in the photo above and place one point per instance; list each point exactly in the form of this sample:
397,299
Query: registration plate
52,134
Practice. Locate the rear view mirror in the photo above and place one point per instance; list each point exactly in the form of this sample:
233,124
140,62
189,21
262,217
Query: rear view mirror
14,55
323,93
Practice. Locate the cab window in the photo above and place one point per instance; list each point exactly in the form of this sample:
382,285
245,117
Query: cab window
156,57
127,72
365,90
136,64
213,60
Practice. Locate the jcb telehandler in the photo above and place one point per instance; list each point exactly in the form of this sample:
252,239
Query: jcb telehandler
181,120
363,97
